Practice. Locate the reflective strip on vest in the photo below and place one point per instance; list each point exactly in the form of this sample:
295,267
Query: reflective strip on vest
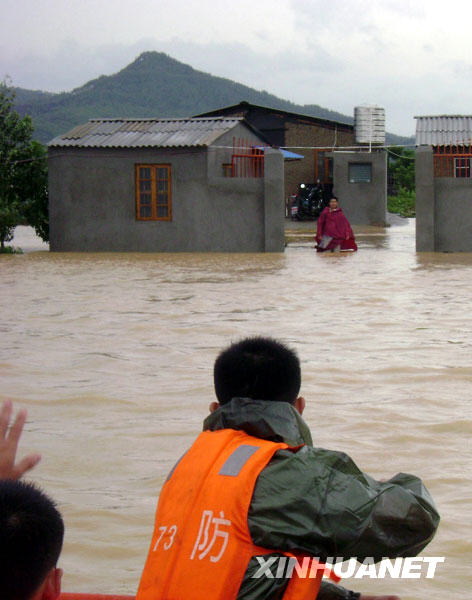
237,460
171,472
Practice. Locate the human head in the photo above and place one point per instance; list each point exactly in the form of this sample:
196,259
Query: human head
333,202
31,535
260,368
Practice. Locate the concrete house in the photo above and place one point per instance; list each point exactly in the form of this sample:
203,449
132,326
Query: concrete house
444,183
311,137
165,185
355,174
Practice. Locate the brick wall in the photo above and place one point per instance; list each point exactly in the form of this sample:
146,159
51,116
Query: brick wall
308,135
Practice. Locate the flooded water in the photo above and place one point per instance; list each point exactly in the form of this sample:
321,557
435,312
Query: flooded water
112,355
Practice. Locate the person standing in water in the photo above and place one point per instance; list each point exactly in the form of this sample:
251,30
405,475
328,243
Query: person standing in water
333,230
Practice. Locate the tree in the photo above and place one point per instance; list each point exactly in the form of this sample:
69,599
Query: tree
401,167
23,174
401,181
30,178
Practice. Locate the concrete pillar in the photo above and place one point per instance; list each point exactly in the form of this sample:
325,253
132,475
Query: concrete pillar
274,205
425,204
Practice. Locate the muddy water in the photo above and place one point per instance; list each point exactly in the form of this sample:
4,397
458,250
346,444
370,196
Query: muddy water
112,355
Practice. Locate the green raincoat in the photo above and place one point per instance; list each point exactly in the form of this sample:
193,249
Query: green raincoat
318,502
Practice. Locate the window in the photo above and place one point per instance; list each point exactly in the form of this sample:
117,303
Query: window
462,167
453,161
153,193
360,172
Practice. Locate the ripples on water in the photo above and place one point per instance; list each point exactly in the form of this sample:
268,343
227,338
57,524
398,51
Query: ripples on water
112,354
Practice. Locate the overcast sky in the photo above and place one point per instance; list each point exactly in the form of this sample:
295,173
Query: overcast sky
411,57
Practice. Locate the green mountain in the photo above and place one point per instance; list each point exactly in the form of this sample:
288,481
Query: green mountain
154,85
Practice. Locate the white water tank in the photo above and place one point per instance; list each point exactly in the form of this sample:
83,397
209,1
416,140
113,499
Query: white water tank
369,124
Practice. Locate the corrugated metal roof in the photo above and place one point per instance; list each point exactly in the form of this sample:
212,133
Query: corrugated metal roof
134,133
443,129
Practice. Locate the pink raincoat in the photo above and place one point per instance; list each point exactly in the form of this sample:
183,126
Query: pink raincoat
334,224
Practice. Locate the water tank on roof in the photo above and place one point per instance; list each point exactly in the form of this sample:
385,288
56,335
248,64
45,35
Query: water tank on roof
369,124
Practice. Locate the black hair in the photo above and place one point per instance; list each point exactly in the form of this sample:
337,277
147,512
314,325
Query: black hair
260,368
31,535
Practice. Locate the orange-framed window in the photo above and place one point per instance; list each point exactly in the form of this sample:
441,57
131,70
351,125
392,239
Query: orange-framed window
153,193
453,161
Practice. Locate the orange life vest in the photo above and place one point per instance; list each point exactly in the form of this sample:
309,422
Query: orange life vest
201,544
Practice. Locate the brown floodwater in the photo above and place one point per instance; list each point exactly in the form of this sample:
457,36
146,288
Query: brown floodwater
112,356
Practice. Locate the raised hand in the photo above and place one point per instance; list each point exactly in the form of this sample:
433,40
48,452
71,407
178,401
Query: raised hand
9,438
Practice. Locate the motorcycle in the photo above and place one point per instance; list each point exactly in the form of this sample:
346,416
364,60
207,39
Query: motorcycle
308,203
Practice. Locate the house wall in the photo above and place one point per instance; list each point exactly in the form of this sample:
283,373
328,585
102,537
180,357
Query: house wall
424,202
443,208
93,207
363,203
301,138
453,215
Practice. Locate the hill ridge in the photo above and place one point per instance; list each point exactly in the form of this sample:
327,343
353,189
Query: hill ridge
153,85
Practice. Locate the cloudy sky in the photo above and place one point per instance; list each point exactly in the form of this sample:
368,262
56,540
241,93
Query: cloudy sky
411,57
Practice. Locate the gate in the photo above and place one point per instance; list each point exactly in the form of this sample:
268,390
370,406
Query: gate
247,159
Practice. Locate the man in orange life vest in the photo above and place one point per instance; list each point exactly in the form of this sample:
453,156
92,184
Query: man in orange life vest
252,488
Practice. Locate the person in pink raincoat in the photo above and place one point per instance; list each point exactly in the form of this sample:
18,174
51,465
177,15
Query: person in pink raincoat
333,230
